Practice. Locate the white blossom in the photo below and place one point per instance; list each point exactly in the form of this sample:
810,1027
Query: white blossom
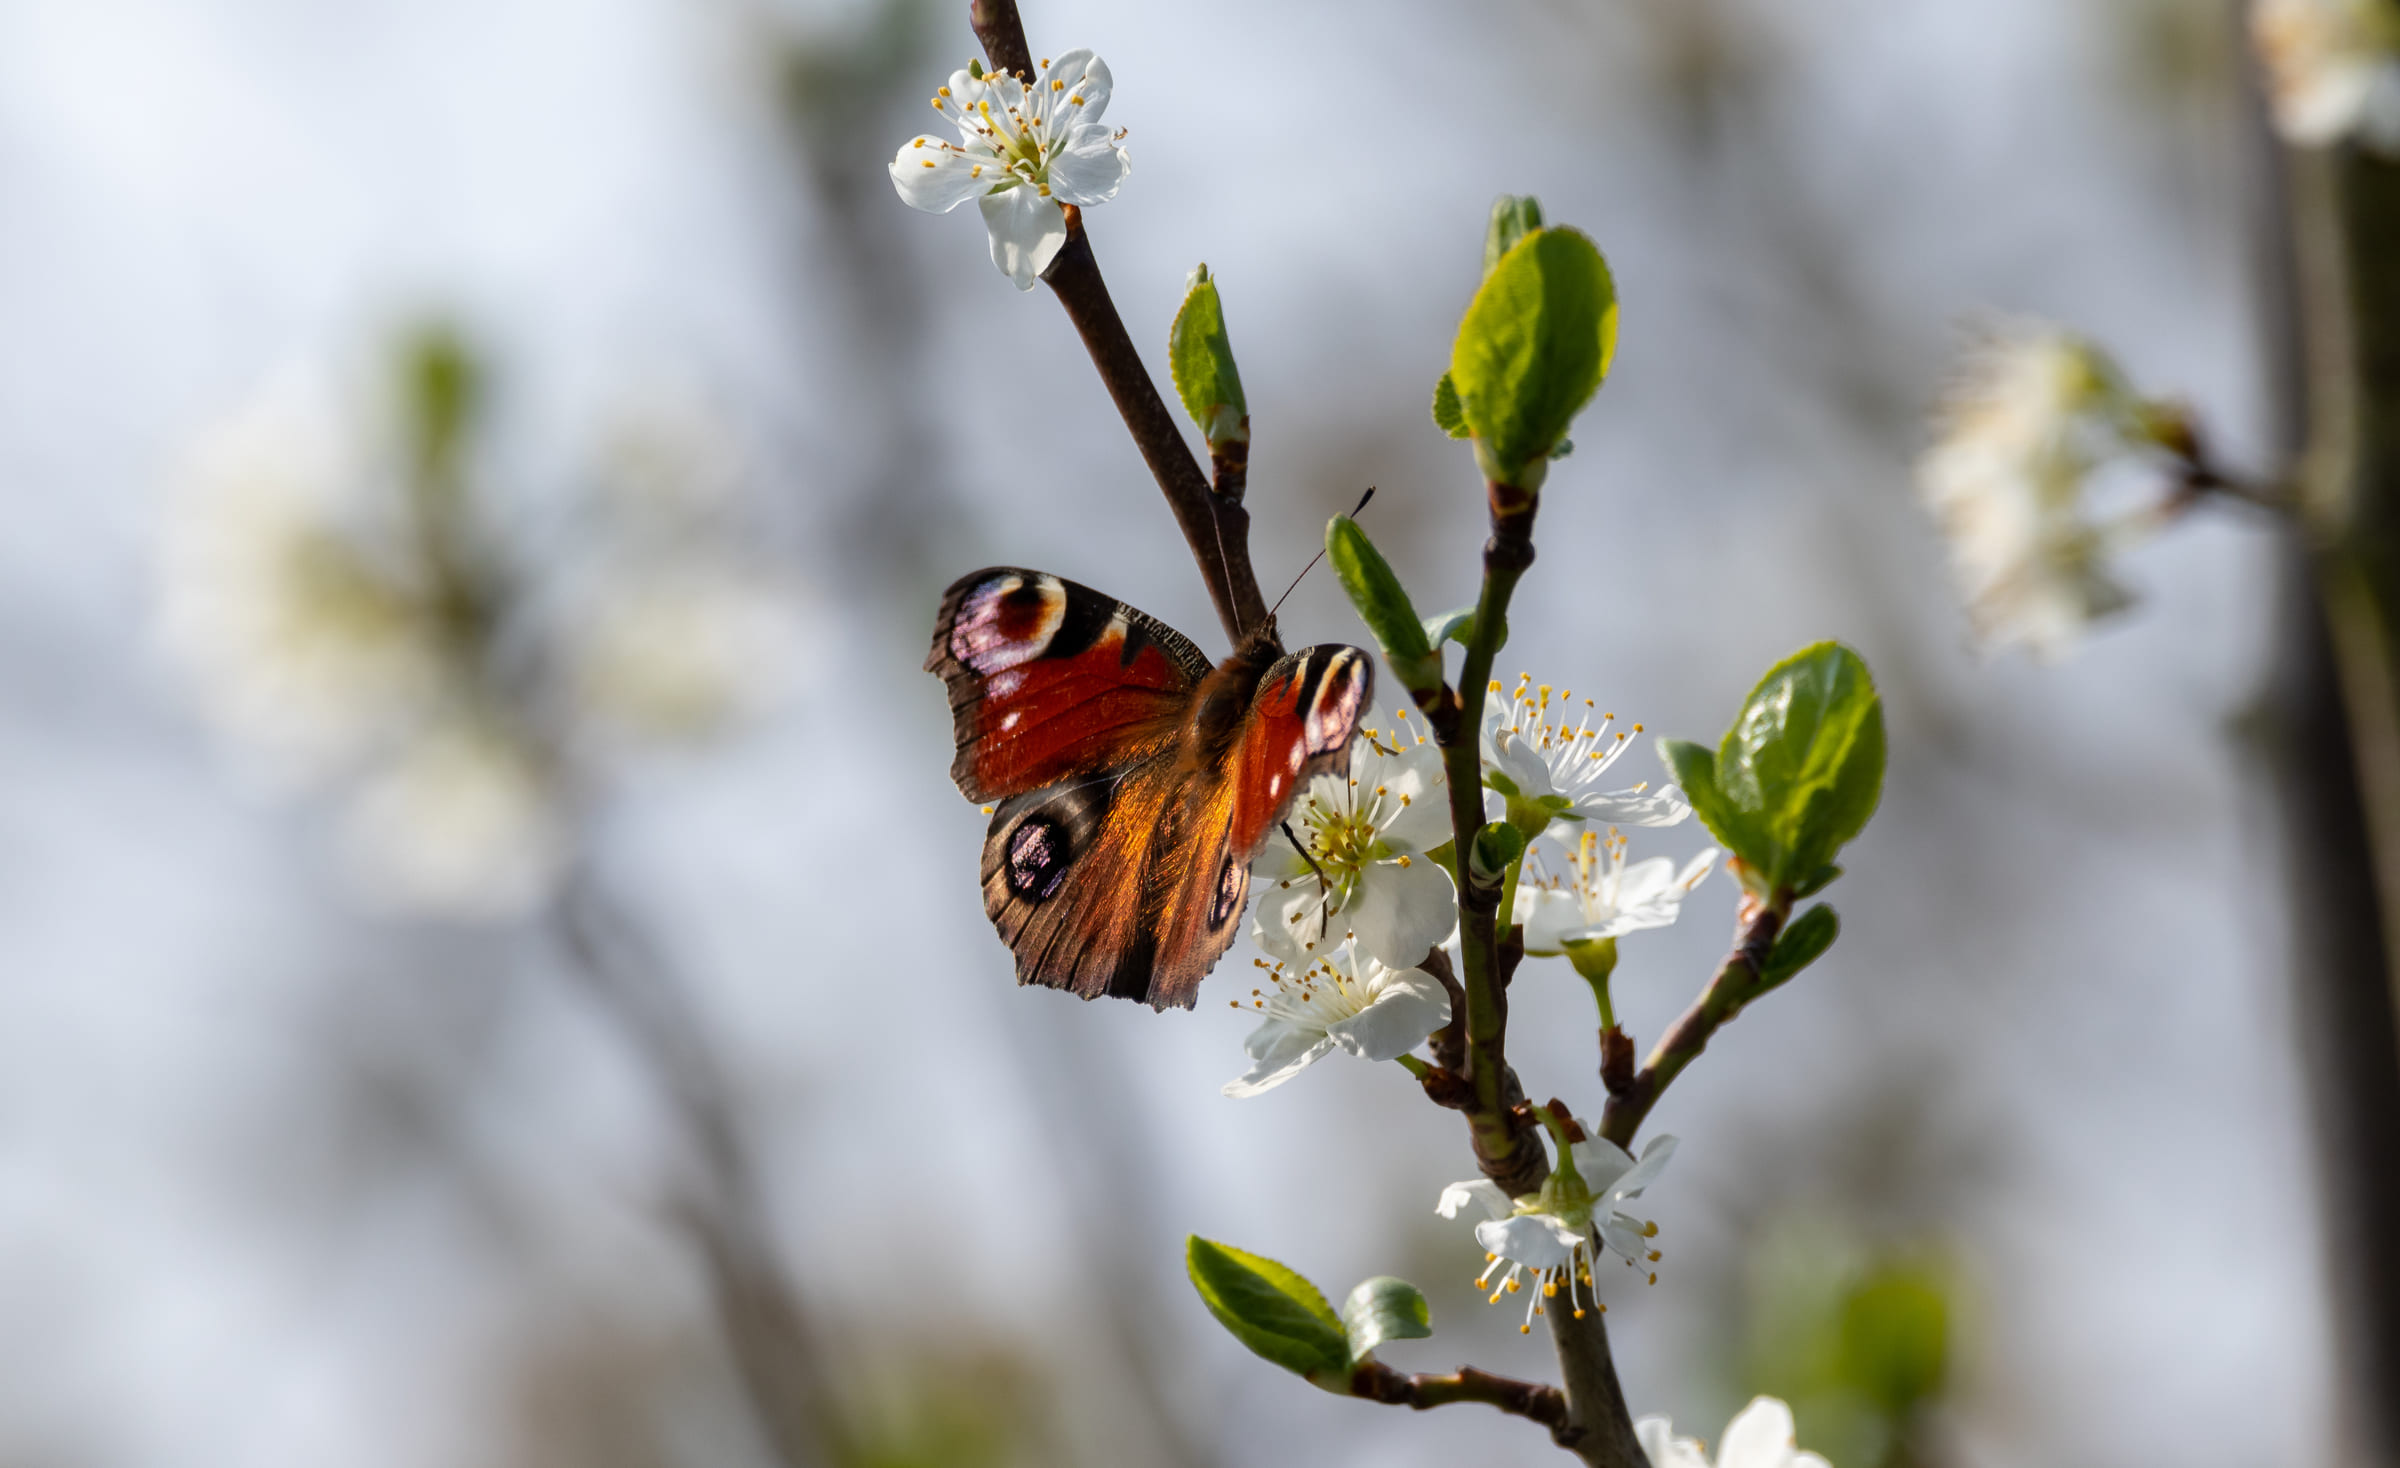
1365,869
1557,1234
1021,153
682,649
2333,69
2035,414
304,637
1760,1436
1346,1000
1534,757
1604,896
462,822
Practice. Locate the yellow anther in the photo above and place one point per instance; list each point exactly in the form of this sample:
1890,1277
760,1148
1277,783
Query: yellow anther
1077,99
1550,1290
1654,1256
929,163
1514,1286
1058,86
1526,1329
1650,1229
987,810
1489,1257
976,171
1404,861
919,143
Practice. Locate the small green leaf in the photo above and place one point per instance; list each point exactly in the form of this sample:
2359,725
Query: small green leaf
1533,347
1496,845
1448,416
1514,216
1802,942
1385,1309
1269,1308
1382,604
1803,761
1200,359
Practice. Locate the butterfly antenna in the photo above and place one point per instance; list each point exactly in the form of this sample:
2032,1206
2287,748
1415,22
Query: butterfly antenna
1302,847
1320,555
1224,567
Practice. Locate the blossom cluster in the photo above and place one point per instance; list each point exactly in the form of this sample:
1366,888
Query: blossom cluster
1361,891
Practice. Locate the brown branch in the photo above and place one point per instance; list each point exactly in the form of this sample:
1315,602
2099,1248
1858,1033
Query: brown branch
1740,979
1214,524
1217,529
1002,35
1423,1390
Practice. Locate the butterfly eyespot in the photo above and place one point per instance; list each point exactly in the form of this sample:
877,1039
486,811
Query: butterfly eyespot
1008,620
1334,709
1037,859
1233,884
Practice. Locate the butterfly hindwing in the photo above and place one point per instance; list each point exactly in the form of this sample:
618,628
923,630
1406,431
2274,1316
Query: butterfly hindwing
1050,680
1133,784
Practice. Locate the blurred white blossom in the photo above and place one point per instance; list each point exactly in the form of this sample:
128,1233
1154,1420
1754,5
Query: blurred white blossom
1365,868
1761,1435
1604,896
1345,1000
346,610
1021,154
1557,1234
2036,412
2333,69
462,821
1534,758
307,638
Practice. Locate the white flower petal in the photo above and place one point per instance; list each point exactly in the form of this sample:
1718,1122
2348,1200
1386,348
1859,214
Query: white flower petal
1664,1449
1535,1240
1412,780
1087,77
1279,1050
1550,916
1655,1158
1521,763
1027,233
1410,1006
1600,1162
1289,923
935,178
1481,1192
1760,1436
1662,805
1400,912
1088,166
1625,1237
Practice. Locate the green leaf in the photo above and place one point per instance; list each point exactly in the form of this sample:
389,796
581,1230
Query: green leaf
1514,216
1448,416
1200,359
1803,762
1802,942
1269,1308
1385,1309
1382,604
1694,767
1532,349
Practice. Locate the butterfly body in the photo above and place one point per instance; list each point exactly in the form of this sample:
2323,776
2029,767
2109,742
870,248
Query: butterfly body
1133,782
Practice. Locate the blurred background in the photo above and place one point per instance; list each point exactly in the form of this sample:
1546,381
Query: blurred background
490,952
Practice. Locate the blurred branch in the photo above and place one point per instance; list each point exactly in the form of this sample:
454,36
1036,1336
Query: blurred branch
766,1328
1215,527
2341,264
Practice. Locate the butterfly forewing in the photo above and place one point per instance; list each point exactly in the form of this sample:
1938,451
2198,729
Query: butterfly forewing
1049,679
1119,851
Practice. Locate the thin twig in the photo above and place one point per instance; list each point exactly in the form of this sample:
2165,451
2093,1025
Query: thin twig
1740,979
1423,1390
1214,524
782,1371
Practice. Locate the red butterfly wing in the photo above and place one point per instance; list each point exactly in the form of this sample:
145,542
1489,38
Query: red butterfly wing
1049,680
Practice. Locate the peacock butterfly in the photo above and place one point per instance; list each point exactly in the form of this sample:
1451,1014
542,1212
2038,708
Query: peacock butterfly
1133,783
